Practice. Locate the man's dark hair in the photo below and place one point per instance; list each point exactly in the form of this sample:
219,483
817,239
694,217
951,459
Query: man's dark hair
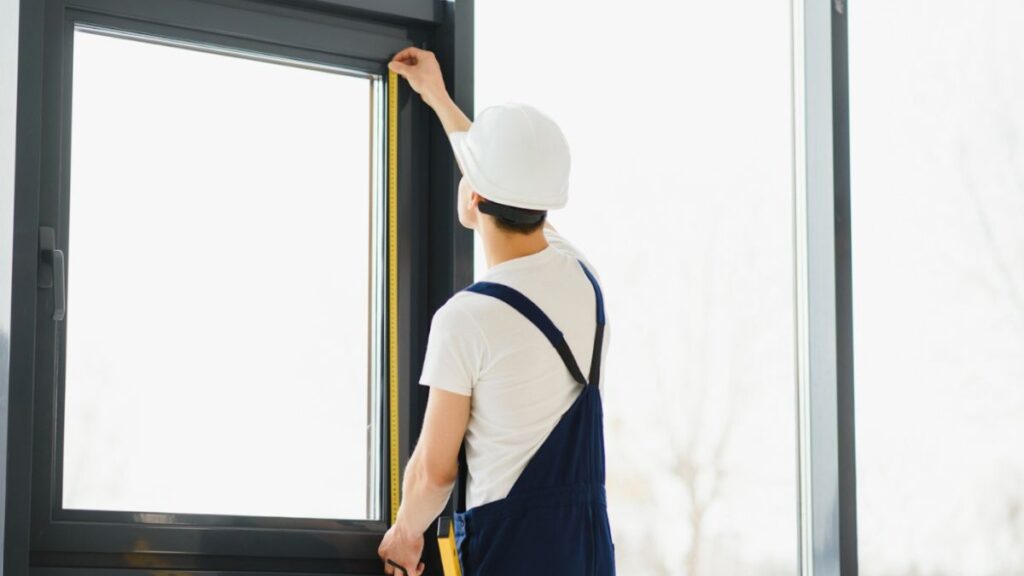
512,218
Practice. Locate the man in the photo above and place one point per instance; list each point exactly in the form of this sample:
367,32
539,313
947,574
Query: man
506,360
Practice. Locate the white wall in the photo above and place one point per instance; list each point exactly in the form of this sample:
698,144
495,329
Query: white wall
8,97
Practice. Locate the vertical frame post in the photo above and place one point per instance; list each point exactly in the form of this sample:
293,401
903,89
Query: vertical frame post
451,256
827,474
16,416
844,291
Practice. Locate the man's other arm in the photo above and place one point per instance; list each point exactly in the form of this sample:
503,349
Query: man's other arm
429,477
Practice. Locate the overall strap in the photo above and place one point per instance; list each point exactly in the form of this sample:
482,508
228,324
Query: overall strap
538,318
595,358
535,315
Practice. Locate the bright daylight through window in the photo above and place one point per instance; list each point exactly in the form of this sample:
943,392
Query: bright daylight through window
223,311
681,195
937,202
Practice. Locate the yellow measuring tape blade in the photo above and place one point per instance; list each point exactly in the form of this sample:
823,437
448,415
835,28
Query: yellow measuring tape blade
393,292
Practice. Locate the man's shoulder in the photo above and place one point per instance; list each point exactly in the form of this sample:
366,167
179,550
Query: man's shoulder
466,312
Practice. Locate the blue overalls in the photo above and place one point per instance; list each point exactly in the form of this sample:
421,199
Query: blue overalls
555,518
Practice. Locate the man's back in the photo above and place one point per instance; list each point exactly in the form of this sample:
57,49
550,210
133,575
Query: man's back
480,346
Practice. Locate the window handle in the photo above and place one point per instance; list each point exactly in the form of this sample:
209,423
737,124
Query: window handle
54,276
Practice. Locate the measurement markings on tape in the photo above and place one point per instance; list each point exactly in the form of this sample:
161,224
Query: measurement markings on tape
392,241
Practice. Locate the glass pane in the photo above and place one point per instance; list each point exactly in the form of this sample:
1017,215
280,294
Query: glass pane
682,197
219,285
937,138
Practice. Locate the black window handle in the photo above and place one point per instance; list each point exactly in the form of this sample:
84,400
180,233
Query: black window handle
54,277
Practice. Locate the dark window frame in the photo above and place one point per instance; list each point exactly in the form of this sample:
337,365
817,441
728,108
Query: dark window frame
434,259
827,466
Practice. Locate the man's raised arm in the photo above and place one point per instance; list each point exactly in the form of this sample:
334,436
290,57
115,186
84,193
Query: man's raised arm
421,69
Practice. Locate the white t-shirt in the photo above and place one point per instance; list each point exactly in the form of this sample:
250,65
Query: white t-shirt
481,347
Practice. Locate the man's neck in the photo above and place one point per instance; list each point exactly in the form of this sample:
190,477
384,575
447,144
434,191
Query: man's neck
502,246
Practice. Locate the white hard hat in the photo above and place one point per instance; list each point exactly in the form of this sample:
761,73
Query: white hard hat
515,155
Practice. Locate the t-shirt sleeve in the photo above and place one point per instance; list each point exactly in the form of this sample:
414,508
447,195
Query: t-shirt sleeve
455,351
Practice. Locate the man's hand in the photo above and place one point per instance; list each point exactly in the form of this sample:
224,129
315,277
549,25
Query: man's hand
421,69
403,549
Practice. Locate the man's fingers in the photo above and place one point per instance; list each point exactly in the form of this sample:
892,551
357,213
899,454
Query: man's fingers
420,569
398,67
409,53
